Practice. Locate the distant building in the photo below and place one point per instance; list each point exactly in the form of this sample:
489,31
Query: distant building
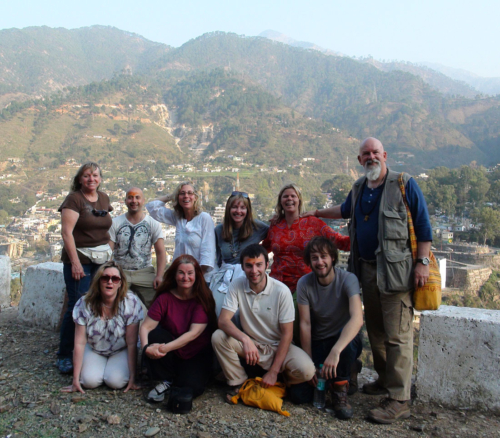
219,214
447,236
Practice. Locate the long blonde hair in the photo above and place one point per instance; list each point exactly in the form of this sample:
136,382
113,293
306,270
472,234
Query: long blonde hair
175,201
94,298
248,226
280,213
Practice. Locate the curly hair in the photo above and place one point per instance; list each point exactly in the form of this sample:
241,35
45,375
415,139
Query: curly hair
175,201
94,297
76,184
322,245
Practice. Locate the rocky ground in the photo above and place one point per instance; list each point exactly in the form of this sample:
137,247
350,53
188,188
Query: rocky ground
31,405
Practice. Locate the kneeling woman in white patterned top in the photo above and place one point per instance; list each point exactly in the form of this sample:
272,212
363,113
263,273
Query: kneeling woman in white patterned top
106,327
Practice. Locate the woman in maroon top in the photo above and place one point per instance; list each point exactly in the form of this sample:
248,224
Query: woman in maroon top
177,331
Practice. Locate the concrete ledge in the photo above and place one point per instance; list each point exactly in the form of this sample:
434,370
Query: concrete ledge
43,295
5,272
459,358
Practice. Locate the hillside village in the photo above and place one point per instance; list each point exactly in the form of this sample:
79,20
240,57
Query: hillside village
35,236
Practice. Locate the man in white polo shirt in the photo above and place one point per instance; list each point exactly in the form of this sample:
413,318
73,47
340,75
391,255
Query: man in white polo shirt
266,316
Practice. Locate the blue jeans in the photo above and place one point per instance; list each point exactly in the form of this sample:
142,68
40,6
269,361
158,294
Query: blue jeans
76,289
303,392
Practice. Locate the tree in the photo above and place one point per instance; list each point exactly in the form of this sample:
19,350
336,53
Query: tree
489,221
339,186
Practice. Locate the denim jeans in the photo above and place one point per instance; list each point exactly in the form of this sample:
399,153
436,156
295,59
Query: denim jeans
75,289
303,393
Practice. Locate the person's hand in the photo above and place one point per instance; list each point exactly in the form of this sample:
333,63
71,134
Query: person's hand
74,387
131,385
269,379
421,274
157,281
309,213
329,370
77,271
314,381
153,351
164,348
251,353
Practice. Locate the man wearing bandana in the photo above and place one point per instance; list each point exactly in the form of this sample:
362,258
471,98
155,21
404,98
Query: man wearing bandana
132,235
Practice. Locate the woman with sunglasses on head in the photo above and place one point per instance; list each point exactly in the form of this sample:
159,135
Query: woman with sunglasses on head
238,230
107,323
194,229
85,222
177,331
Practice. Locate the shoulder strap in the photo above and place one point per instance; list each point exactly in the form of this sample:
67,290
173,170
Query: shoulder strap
411,228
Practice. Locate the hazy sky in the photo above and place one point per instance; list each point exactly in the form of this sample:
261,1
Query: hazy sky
461,34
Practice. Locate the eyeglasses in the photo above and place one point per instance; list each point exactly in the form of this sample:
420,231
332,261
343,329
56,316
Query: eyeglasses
235,193
186,193
99,213
114,278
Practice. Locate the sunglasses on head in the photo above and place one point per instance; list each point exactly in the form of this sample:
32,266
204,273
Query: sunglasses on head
235,193
114,278
99,213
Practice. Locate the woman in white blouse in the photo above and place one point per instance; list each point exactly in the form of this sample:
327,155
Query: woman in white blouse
194,229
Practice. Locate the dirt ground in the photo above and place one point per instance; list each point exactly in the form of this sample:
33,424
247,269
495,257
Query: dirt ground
31,405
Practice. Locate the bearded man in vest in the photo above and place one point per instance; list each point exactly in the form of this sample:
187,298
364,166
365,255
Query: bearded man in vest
381,259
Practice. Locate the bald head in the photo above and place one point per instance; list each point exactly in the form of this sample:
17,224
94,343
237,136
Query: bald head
371,142
134,200
134,191
373,157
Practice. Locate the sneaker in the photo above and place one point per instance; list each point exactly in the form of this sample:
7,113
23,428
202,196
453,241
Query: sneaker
341,407
374,388
389,411
157,394
356,367
65,365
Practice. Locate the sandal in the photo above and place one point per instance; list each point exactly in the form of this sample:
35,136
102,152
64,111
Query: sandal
230,393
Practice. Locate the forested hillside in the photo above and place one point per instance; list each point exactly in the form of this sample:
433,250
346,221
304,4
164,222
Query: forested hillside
248,95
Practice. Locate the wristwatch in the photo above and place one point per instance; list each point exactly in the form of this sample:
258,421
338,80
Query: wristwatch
425,261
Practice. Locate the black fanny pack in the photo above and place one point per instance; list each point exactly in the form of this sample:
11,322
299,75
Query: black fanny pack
180,400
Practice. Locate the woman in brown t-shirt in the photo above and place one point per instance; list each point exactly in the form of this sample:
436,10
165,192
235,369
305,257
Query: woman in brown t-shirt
85,223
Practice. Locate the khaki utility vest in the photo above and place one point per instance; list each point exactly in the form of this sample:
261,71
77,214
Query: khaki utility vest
394,260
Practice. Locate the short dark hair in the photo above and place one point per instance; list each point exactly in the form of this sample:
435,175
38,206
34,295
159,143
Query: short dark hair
253,251
323,245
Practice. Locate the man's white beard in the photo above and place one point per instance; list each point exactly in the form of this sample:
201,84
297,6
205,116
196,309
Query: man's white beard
373,172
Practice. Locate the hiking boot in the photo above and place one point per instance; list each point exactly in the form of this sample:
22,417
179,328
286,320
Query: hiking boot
341,407
157,394
374,388
65,365
356,367
389,411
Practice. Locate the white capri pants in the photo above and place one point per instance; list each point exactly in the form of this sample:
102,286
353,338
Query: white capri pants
111,370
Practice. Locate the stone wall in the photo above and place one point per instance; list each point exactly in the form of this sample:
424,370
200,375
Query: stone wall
490,259
44,291
458,358
469,280
5,273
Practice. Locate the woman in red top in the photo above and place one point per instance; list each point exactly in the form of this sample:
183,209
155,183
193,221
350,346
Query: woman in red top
289,234
177,332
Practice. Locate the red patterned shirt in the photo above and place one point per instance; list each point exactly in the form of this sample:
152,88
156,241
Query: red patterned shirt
288,246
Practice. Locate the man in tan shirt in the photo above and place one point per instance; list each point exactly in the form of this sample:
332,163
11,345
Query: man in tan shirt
266,316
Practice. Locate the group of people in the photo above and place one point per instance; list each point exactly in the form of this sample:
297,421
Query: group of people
216,297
